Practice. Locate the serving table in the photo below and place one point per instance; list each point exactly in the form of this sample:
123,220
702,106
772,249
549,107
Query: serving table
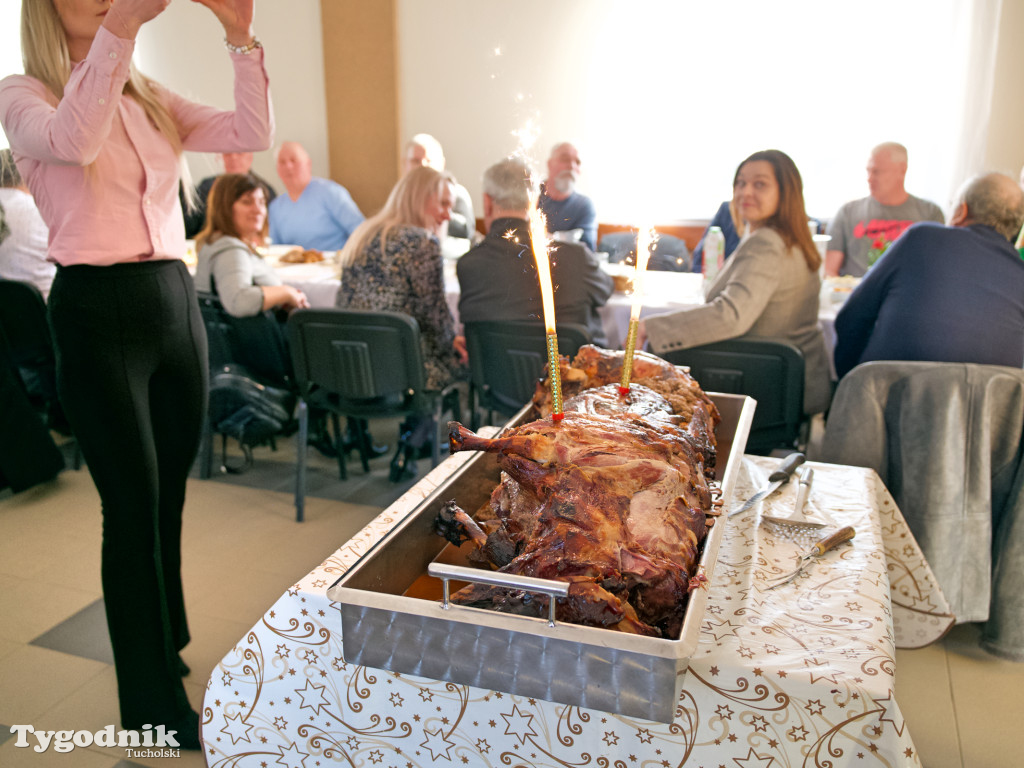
800,675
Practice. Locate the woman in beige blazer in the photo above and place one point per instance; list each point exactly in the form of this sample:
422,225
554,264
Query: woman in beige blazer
769,287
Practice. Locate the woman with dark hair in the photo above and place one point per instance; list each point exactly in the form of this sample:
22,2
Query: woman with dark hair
100,147
228,263
769,288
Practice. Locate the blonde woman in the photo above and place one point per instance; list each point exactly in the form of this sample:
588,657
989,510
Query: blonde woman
100,146
392,262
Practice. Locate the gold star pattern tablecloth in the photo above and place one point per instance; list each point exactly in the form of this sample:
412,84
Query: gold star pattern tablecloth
802,675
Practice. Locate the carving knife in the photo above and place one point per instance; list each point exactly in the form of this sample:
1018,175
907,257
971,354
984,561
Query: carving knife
775,479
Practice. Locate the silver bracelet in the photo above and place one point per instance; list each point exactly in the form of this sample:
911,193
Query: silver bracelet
245,50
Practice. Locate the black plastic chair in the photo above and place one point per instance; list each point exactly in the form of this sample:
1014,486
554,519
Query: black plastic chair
770,371
360,364
669,253
30,349
507,358
258,345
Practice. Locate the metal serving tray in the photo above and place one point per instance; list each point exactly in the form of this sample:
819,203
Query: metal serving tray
392,616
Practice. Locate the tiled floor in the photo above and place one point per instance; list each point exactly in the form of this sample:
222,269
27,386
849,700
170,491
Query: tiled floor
242,549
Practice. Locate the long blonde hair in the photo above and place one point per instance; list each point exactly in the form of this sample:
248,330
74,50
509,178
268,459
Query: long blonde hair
45,55
404,207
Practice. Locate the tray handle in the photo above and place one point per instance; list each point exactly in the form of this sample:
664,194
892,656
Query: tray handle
548,587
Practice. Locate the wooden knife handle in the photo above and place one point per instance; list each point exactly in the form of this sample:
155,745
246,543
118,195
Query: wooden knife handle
834,540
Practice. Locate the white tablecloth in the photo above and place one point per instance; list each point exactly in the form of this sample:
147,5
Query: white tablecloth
666,292
798,676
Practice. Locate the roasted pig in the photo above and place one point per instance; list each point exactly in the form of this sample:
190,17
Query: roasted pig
612,499
594,367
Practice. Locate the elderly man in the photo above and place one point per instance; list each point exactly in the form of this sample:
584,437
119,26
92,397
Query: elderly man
863,229
945,294
232,162
498,277
424,149
315,213
564,208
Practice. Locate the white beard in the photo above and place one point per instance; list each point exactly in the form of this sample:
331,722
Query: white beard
564,182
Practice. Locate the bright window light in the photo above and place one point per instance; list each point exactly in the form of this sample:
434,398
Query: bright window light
680,93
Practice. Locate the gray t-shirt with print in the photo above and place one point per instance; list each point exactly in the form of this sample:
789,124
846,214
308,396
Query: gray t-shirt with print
863,229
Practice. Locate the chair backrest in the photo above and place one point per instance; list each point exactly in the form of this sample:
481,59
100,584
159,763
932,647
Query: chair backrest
669,253
358,355
507,358
29,345
769,370
23,319
257,343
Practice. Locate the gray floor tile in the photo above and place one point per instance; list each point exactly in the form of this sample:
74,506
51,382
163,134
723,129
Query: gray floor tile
83,634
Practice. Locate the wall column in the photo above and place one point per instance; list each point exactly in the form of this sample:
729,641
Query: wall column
361,84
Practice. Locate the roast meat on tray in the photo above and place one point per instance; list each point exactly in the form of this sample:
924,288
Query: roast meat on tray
612,499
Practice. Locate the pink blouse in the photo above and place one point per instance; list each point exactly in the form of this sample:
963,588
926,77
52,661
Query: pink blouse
104,178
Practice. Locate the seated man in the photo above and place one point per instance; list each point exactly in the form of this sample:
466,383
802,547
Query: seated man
23,250
424,149
945,294
863,229
564,207
498,277
233,162
315,213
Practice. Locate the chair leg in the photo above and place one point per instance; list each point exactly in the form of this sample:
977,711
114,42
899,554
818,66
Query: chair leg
339,447
300,463
205,452
362,442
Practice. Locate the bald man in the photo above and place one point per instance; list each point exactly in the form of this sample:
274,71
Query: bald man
314,213
863,229
945,294
423,149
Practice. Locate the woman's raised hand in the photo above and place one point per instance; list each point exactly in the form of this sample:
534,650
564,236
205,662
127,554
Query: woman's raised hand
126,16
236,17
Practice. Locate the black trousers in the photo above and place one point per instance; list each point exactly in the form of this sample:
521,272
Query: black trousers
132,376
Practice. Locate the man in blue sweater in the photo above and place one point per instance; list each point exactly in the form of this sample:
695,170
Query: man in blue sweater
564,208
944,293
315,213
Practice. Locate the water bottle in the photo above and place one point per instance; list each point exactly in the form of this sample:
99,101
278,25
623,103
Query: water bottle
714,253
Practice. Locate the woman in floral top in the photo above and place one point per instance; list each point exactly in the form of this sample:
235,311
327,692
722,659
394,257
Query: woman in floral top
392,262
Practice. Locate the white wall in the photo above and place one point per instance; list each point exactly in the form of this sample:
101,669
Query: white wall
183,48
644,115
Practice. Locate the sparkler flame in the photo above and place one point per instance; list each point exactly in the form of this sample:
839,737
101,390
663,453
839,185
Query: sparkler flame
646,237
541,245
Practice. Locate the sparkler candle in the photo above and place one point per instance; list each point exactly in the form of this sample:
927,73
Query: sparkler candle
644,240
539,241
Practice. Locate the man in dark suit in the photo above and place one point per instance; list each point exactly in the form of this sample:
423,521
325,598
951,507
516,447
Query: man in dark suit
498,277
